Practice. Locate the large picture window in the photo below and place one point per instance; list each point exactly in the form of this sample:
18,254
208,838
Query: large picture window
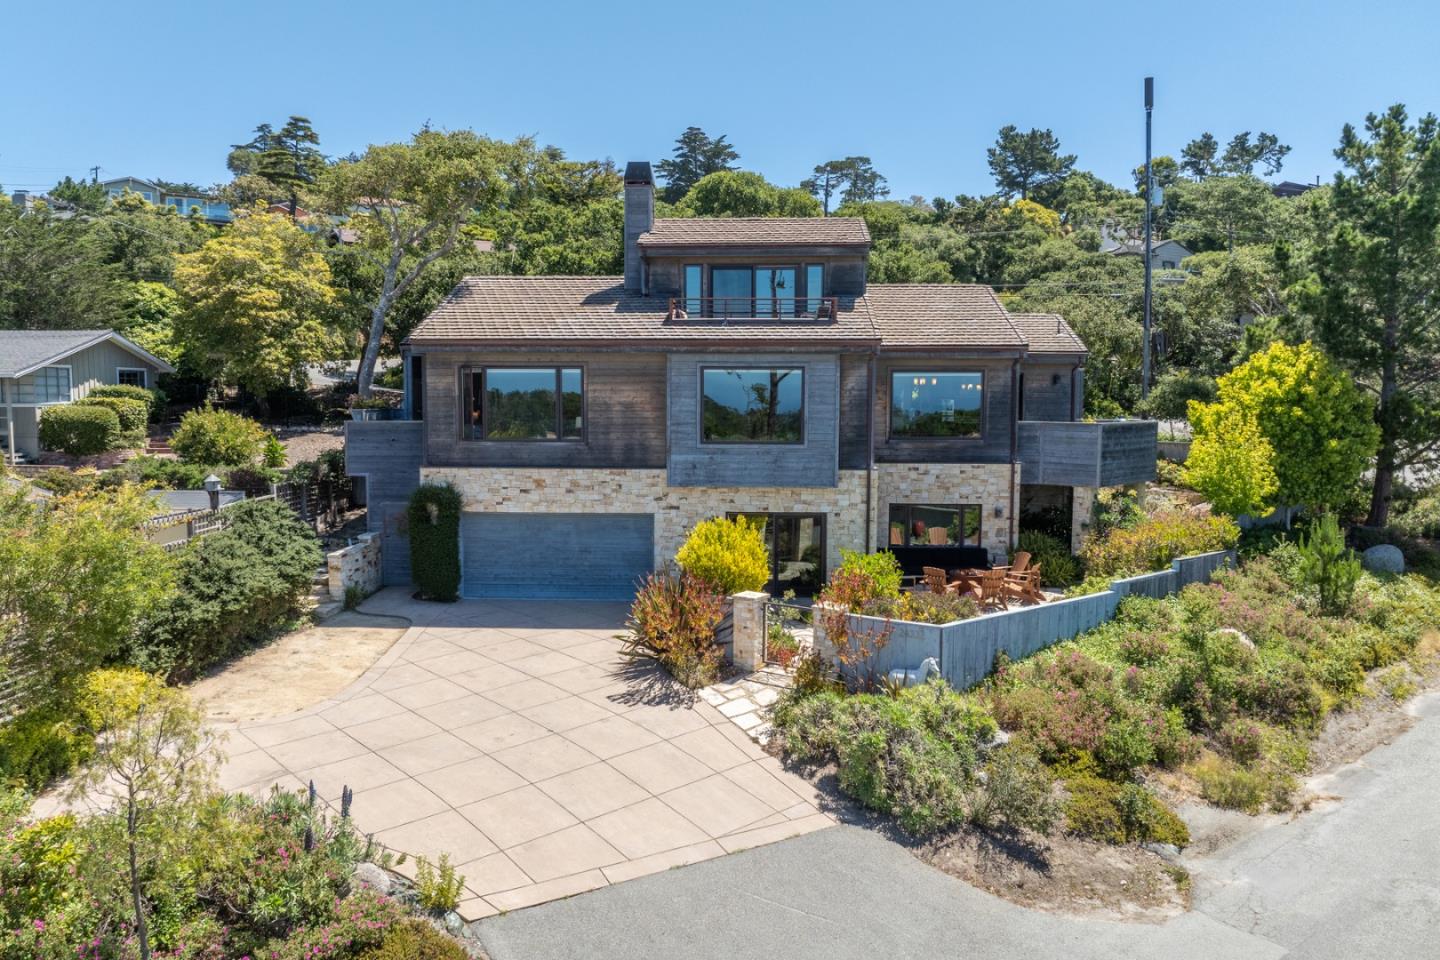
934,525
936,404
762,405
52,385
525,403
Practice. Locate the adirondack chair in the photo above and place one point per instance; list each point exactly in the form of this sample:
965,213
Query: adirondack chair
1025,587
935,580
1021,564
993,590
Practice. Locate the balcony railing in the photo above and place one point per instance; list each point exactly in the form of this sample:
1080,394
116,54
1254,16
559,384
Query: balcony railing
1107,453
753,308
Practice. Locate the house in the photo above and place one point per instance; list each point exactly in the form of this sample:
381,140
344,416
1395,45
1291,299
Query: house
43,368
1289,188
212,210
739,367
1164,254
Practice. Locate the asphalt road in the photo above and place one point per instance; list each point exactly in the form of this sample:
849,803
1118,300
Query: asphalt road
1359,878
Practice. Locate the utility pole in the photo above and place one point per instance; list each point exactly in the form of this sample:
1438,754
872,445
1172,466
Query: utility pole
95,174
1149,190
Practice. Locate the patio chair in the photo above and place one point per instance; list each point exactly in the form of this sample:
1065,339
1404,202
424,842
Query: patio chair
1021,564
1025,587
935,580
993,590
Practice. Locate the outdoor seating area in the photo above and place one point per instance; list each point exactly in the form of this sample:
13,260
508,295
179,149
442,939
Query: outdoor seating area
993,588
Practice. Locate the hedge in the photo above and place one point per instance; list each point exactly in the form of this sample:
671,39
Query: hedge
133,414
434,516
154,400
234,589
80,431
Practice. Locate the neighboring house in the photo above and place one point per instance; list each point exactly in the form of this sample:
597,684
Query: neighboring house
1164,254
43,368
739,367
214,211
1289,188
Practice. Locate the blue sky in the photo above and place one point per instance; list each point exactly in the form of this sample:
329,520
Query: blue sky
162,88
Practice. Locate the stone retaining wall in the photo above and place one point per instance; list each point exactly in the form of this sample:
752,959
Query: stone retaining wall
357,565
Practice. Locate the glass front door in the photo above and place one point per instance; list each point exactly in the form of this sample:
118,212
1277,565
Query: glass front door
796,542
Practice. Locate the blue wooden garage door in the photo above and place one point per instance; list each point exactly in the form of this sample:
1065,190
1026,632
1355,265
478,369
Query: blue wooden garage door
573,555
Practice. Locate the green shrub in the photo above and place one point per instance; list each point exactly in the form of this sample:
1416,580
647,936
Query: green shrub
159,472
437,885
255,481
218,437
80,431
1173,390
1154,542
416,940
1113,812
434,519
881,569
133,414
273,453
154,400
672,621
235,588
1231,785
1016,791
40,745
924,607
1052,555
63,482
729,554
912,755
1327,566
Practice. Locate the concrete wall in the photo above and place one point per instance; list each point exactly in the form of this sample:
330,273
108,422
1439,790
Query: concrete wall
811,463
966,649
387,454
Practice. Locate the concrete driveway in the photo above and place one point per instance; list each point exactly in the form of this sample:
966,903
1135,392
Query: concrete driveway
512,736
1355,878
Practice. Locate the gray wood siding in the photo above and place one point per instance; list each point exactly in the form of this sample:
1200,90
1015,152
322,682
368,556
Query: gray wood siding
1045,399
993,446
387,454
812,463
624,412
854,399
571,555
1087,454
91,367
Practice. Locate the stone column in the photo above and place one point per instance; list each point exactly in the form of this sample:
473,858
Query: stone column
747,646
1082,508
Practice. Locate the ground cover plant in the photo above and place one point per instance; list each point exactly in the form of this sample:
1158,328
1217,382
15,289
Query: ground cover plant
177,869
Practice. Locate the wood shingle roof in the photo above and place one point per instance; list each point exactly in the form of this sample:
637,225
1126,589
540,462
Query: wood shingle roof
765,231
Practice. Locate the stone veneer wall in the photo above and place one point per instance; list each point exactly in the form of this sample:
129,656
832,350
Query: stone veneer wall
676,509
357,565
988,484
1082,512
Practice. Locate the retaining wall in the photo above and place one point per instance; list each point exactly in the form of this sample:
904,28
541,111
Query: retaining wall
966,649
357,565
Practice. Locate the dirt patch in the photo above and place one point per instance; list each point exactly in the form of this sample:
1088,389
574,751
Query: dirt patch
300,669
307,443
1064,874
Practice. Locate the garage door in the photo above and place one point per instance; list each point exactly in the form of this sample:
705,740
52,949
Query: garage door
574,555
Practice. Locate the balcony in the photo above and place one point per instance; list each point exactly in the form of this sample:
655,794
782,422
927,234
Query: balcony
753,308
1107,453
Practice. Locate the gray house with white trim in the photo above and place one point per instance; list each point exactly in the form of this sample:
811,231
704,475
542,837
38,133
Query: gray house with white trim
44,368
739,367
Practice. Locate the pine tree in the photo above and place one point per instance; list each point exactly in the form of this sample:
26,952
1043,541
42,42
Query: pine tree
696,155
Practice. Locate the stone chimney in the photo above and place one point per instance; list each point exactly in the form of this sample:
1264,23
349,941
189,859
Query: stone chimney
639,218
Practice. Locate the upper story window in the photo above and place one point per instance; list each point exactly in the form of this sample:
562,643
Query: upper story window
775,292
52,385
759,405
524,403
935,403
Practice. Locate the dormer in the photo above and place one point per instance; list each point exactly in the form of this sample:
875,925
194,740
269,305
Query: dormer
743,267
